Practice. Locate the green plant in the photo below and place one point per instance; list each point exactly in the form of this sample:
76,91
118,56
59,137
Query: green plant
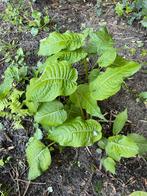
133,10
17,14
143,96
121,146
38,22
10,104
65,106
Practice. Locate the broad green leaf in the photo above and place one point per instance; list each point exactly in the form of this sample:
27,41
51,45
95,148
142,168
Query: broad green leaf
109,82
76,133
138,193
109,164
107,58
52,44
121,146
140,141
103,43
57,79
93,74
51,114
119,122
74,40
102,40
71,56
58,41
38,157
82,99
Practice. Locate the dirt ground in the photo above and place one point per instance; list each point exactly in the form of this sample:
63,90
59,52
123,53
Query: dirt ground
76,172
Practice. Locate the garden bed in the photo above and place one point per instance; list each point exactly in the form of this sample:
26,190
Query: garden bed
76,171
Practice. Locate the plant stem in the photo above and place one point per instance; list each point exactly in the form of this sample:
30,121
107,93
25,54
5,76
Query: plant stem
51,144
86,69
82,113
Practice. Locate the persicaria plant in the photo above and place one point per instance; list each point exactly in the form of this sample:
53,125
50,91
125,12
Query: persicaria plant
65,106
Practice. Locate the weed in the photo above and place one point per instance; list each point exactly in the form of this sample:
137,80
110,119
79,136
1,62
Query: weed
133,10
18,15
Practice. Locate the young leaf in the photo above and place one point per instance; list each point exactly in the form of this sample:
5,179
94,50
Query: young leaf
57,79
140,141
51,114
34,31
76,133
102,40
119,122
109,164
38,134
143,96
119,9
121,146
82,99
38,157
57,42
109,82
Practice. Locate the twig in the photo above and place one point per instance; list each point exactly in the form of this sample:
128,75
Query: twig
28,184
95,165
25,181
17,175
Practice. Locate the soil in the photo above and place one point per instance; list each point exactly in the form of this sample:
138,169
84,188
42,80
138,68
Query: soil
77,172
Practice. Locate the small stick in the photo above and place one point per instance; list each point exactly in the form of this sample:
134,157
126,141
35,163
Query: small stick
25,181
28,184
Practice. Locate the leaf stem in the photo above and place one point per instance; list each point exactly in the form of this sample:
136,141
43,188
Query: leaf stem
86,68
51,144
82,113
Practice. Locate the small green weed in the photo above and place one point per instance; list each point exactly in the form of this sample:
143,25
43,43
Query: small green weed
18,14
133,10
118,146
